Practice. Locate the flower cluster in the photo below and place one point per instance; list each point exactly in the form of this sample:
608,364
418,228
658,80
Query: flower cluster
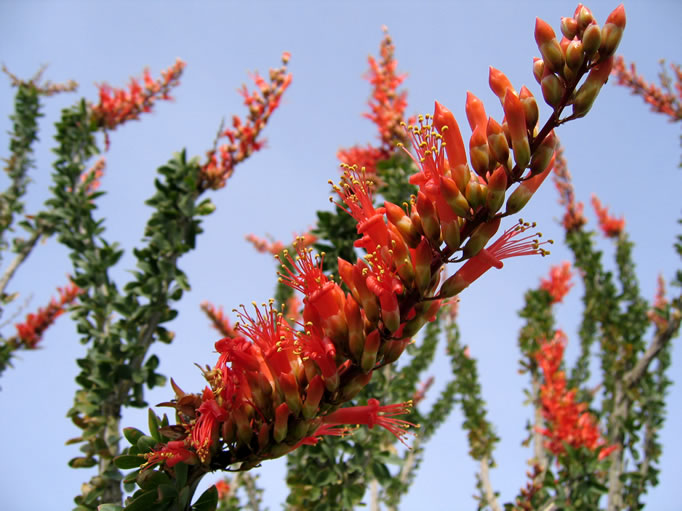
387,109
661,303
663,99
559,282
275,247
280,384
611,227
117,106
219,320
243,137
568,422
31,330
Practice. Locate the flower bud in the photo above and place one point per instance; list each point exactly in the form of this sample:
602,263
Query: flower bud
583,16
497,142
543,154
520,197
397,216
548,46
591,40
612,32
574,55
530,108
356,330
538,69
355,385
370,350
421,258
289,386
499,83
476,193
480,237
451,234
587,93
429,218
281,421
552,90
447,126
475,112
569,27
478,150
455,199
497,187
312,399
393,349
516,119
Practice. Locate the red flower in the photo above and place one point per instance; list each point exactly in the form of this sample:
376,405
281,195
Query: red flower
567,421
205,428
559,282
117,106
172,453
373,415
223,488
610,226
33,327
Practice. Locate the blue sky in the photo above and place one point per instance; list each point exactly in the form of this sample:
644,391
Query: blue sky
621,151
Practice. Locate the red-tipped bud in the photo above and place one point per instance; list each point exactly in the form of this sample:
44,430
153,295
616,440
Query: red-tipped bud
401,257
393,349
475,112
476,193
543,154
461,175
244,431
569,27
478,150
480,237
530,108
356,330
367,299
313,397
585,96
289,386
583,16
497,187
455,199
451,234
499,83
355,385
421,258
263,436
369,353
520,197
538,69
497,142
281,422
553,90
612,31
591,40
397,216
429,218
516,120
447,126
574,55
549,46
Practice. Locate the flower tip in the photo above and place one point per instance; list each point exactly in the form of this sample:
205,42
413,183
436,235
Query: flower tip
543,32
617,17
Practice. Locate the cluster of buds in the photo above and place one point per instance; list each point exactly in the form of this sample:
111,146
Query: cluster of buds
559,282
568,422
387,107
275,247
32,329
117,106
611,226
91,178
243,137
279,384
584,46
663,99
661,303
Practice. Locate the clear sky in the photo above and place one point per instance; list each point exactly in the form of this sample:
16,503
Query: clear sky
621,151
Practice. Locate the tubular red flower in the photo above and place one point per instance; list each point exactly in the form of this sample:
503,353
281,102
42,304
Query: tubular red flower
206,427
611,226
372,415
172,453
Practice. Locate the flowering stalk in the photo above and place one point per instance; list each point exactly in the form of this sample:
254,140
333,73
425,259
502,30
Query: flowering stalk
276,386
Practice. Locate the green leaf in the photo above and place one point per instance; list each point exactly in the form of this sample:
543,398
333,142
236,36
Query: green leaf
143,502
208,501
180,475
127,462
132,435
